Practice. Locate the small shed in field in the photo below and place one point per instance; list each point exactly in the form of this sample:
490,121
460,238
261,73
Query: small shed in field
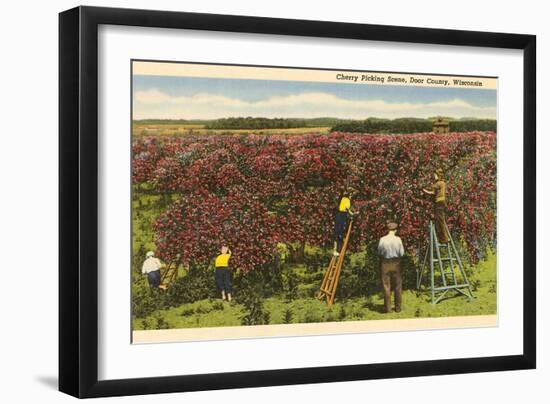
441,125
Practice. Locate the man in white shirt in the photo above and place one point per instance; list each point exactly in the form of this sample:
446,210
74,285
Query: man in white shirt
151,268
390,250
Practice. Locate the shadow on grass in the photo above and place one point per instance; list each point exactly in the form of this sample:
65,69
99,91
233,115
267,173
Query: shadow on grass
453,296
372,306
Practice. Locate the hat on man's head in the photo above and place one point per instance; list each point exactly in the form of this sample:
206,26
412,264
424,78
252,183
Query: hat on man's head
392,225
347,190
439,172
150,254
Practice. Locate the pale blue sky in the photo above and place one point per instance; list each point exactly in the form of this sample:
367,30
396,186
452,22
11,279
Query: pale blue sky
208,98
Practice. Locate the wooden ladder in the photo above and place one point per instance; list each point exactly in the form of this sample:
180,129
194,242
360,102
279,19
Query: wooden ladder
332,275
169,275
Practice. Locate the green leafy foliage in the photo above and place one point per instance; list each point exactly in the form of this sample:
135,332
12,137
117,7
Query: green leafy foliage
412,125
250,296
255,123
145,300
290,284
198,284
288,316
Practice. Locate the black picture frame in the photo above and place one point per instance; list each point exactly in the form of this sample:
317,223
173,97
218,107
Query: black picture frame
78,200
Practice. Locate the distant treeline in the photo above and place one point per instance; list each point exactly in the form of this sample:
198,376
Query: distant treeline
413,125
270,123
171,121
370,125
473,125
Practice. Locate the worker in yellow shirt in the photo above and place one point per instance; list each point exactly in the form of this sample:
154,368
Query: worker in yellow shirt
223,276
341,220
438,190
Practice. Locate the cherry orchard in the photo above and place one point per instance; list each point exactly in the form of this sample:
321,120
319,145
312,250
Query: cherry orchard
254,192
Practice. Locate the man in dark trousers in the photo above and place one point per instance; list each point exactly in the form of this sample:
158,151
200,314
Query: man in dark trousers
438,190
390,250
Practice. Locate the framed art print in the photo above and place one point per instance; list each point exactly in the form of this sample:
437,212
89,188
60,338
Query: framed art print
309,201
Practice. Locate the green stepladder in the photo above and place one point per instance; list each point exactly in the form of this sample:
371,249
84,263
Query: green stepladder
446,270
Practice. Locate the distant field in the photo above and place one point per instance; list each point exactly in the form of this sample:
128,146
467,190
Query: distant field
139,129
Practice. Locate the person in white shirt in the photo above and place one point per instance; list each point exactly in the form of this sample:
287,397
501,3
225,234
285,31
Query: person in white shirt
151,267
390,250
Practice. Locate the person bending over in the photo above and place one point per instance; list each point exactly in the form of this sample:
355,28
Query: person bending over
151,267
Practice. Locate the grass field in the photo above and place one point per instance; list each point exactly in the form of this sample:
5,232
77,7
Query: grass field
215,312
140,129
305,308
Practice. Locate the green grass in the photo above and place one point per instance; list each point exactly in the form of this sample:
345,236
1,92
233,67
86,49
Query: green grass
204,313
145,209
215,313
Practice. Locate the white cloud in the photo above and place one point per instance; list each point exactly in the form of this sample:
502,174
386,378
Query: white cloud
151,97
157,104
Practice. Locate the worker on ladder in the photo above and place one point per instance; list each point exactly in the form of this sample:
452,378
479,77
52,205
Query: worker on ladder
438,190
341,220
342,231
